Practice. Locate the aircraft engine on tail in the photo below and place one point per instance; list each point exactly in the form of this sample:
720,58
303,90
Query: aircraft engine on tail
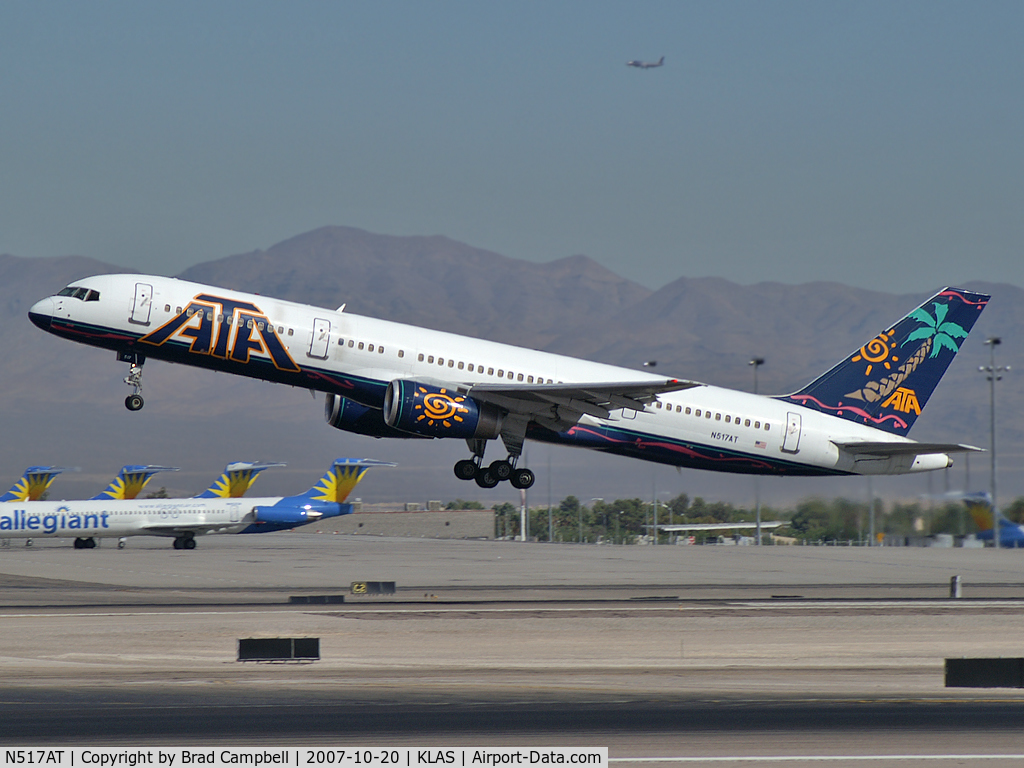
288,515
350,416
438,410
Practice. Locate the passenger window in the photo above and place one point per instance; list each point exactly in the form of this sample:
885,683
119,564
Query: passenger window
490,372
746,422
718,417
360,345
657,405
501,373
259,323
430,358
461,365
291,332
707,414
757,425
419,357
679,409
510,374
401,353
440,361
451,363
529,379
471,368
728,420
688,411
351,343
167,307
280,330
698,413
519,377
177,310
380,350
767,426
369,348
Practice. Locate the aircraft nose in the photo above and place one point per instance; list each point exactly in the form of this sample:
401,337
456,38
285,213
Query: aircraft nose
41,313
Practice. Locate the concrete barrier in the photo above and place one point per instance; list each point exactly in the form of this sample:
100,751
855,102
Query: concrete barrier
279,649
985,673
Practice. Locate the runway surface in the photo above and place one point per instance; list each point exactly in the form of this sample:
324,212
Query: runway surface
771,655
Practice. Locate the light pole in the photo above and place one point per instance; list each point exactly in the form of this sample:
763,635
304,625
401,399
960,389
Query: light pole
993,372
757,362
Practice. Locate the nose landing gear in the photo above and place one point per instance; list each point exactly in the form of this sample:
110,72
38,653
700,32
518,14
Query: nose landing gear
134,401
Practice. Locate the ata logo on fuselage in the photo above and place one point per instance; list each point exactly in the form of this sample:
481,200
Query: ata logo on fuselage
224,328
903,400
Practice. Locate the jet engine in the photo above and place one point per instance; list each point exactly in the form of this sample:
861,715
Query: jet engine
342,413
437,410
286,515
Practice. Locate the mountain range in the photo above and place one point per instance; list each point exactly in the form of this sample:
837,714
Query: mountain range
64,402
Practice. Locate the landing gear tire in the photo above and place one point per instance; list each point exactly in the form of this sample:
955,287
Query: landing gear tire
87,542
134,402
465,469
190,543
522,478
179,544
500,469
485,478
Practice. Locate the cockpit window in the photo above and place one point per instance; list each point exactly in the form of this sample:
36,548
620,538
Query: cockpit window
76,292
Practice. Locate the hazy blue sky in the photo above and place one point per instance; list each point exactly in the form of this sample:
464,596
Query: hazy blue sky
874,143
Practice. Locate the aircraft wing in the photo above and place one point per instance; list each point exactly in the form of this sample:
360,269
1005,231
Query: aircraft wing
904,449
564,404
719,526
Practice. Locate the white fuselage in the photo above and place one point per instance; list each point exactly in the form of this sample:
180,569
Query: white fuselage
356,357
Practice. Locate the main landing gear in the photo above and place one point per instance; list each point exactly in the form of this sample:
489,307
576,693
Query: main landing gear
86,542
185,541
495,472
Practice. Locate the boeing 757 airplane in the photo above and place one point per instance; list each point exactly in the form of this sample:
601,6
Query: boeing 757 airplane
387,379
183,519
646,64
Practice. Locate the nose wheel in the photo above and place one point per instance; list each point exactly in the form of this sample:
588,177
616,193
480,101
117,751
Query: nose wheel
134,401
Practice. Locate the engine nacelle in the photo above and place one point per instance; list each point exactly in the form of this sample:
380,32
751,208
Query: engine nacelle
436,410
286,515
342,413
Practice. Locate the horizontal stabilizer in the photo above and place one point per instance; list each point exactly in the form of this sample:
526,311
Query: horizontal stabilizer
904,449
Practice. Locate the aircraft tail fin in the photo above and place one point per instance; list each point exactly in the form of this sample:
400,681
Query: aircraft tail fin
343,476
888,381
236,479
131,480
32,484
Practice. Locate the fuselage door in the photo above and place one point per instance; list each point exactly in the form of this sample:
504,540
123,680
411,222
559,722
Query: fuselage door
321,338
234,511
143,304
791,443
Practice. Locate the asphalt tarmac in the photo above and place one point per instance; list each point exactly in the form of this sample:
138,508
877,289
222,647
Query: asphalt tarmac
678,654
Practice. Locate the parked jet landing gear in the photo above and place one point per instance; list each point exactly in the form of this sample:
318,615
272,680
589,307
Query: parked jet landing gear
87,542
185,541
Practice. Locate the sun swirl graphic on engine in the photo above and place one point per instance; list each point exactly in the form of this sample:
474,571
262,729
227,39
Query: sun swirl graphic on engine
877,351
438,407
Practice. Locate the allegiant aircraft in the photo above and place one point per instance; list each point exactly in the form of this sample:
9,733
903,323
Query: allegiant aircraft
183,519
979,505
387,379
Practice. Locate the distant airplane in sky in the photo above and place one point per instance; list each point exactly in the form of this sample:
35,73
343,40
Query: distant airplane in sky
183,519
645,64
387,379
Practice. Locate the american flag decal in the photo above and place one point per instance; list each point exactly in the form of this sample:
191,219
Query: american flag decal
760,444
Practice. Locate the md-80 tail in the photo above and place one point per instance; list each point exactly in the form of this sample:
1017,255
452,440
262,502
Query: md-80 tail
387,379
